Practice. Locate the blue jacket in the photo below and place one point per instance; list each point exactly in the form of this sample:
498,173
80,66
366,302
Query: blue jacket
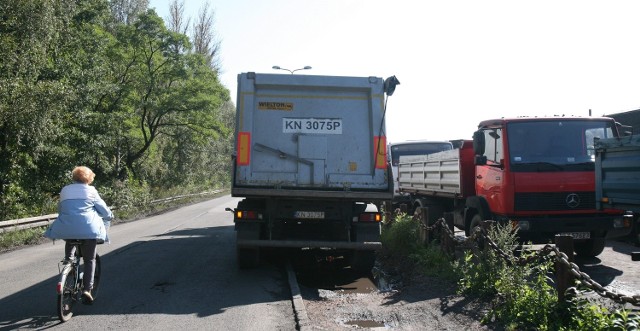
82,214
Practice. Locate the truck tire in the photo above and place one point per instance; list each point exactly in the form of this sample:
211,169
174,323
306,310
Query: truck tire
248,257
589,248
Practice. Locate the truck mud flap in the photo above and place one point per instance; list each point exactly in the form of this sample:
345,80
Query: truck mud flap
309,244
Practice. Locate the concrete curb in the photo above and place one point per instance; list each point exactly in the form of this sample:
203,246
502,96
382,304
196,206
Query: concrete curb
302,319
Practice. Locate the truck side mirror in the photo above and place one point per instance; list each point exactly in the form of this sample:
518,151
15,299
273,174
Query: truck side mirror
478,143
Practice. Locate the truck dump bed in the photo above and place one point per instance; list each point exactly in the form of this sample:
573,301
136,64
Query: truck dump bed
618,173
448,173
310,136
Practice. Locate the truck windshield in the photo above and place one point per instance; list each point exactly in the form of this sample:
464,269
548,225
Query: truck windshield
398,150
562,145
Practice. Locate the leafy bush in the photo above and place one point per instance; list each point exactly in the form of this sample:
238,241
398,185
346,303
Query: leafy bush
401,242
401,236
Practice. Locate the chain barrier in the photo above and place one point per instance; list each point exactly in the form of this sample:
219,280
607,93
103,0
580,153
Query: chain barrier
479,235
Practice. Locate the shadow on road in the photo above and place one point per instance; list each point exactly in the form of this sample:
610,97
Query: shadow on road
191,271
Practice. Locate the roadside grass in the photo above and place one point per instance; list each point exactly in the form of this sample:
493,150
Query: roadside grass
521,297
14,239
19,238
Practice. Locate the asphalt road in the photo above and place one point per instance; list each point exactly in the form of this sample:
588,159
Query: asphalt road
167,272
178,270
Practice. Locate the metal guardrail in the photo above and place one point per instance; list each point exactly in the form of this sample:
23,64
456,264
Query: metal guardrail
26,223
45,220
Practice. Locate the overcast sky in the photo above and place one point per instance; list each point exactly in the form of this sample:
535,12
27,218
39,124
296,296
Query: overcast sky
458,62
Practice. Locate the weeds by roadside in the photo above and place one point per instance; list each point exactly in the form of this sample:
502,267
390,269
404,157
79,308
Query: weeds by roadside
13,239
522,297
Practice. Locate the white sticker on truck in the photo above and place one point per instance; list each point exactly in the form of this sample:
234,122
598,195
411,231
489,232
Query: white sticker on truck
312,125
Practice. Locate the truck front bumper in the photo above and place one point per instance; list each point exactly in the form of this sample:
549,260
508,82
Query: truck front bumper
540,230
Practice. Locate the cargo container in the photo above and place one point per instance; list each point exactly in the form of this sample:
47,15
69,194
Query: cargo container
310,163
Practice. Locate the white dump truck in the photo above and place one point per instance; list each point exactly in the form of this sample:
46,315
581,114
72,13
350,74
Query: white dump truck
310,162
618,176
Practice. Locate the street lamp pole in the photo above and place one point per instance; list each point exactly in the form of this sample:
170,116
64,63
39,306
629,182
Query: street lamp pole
291,71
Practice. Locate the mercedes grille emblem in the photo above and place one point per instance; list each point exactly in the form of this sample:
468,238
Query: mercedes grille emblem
572,200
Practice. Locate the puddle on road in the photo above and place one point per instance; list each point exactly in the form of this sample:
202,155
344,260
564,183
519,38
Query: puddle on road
358,285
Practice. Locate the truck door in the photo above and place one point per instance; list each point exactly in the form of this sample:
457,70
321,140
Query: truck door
490,180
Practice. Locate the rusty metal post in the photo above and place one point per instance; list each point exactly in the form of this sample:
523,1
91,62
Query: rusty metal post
448,219
388,213
424,236
446,242
564,243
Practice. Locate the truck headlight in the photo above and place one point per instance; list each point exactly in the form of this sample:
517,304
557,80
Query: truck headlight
623,222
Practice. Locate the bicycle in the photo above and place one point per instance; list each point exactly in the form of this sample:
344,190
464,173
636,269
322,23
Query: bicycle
70,285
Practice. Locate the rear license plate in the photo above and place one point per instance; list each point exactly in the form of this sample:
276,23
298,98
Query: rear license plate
577,235
309,214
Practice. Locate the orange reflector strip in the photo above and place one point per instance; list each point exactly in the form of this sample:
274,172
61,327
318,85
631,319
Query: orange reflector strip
380,151
244,148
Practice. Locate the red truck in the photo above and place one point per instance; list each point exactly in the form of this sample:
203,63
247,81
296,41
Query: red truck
536,173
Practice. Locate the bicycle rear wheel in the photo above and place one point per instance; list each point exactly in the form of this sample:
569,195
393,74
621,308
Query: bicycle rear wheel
66,297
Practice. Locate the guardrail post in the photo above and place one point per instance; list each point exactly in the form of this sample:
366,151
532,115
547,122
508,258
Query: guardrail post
564,243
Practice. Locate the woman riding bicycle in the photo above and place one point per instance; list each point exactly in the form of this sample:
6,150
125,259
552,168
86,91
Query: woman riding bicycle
82,214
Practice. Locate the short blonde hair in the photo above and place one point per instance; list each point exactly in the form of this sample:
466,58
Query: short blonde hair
82,174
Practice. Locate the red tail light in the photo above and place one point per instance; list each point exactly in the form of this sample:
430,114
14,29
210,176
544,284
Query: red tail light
370,217
59,288
247,215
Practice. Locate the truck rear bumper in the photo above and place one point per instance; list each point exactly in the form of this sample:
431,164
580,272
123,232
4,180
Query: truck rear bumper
314,194
309,244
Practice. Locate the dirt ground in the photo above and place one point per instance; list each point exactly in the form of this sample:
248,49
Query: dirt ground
421,303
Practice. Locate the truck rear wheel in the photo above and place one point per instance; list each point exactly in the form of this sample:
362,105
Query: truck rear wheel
589,248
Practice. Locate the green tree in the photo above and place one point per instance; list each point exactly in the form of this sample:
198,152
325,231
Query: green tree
33,96
168,91
128,98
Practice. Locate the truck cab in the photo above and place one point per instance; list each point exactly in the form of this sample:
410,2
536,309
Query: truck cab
538,174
